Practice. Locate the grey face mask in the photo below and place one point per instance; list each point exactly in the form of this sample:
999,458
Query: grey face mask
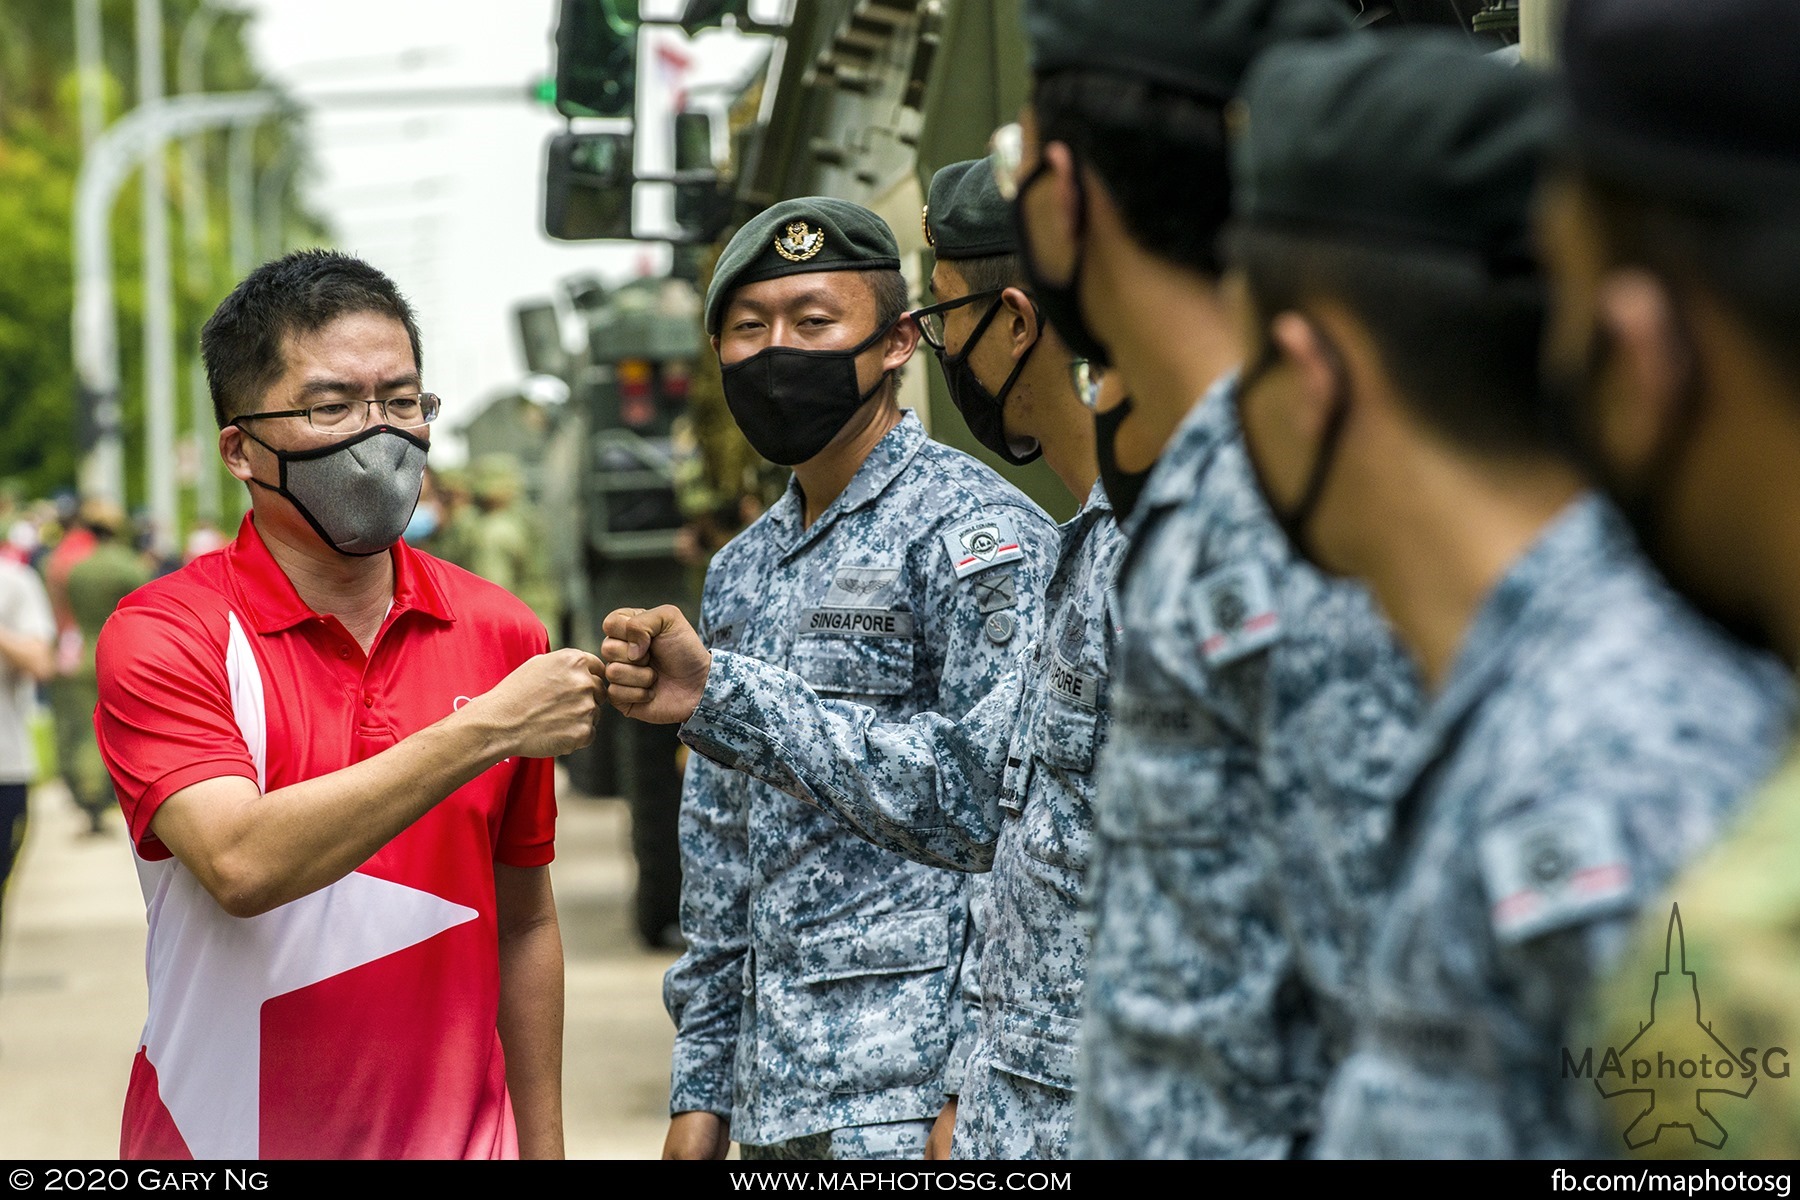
357,494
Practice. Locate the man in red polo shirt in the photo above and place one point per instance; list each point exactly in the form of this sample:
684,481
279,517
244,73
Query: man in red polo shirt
332,754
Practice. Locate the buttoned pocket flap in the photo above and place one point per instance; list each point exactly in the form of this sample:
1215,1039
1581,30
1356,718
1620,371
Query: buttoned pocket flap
885,945
855,666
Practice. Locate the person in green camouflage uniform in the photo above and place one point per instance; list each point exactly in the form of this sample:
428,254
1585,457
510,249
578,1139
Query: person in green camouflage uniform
96,585
505,544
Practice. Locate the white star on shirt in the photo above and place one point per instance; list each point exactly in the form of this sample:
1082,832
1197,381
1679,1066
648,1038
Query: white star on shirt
210,974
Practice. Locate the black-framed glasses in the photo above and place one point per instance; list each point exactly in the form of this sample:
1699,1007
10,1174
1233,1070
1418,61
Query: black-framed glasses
1086,376
340,417
931,318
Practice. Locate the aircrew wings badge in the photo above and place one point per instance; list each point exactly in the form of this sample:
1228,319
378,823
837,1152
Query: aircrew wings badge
799,243
982,544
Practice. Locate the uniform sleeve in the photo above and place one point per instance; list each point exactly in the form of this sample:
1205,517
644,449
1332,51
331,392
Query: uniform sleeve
703,991
164,720
965,1021
986,611
528,826
927,788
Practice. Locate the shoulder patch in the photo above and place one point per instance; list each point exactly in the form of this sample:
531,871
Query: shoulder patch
1553,867
978,545
1234,610
995,592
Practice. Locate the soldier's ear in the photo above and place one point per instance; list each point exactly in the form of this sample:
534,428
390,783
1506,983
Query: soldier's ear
1316,364
1655,356
901,341
1022,318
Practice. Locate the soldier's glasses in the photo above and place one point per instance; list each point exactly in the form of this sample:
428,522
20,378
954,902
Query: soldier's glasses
1006,155
931,318
340,417
1086,376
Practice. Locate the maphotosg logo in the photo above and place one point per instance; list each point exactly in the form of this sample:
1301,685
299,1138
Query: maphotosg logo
1678,1071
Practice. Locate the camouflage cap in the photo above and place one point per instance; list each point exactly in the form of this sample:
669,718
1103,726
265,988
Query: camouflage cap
1691,102
1409,137
1197,46
813,233
495,476
965,216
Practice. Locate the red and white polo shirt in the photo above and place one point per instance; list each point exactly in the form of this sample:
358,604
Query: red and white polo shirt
359,1021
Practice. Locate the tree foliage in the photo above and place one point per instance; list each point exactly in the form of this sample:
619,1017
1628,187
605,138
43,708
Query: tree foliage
41,429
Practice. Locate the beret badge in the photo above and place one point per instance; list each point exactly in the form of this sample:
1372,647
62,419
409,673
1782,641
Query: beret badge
799,243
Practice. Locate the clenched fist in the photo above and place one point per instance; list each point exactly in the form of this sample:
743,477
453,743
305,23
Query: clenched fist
656,664
546,707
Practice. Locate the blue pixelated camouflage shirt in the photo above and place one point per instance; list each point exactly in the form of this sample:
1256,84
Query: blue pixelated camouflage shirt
1243,819
819,986
1592,736
1009,786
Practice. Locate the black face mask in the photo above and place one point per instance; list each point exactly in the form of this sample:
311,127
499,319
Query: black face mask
790,403
983,411
1296,521
1645,502
1061,302
1122,487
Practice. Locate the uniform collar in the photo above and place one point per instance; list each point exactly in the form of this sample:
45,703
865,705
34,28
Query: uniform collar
1583,542
885,462
1209,424
273,605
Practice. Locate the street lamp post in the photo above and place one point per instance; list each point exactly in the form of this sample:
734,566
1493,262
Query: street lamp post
195,218
134,138
159,297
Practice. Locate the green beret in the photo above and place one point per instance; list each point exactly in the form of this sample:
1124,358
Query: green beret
1197,46
1409,137
965,216
813,233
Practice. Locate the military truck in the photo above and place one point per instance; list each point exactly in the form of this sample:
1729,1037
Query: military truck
860,99
608,491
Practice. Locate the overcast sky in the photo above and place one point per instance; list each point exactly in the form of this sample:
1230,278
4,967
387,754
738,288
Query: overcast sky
447,199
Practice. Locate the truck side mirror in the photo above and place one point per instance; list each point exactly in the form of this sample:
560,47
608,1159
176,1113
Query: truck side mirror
588,186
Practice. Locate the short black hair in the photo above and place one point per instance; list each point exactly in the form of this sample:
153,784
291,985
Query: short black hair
994,273
1460,344
1742,255
299,293
890,296
1162,154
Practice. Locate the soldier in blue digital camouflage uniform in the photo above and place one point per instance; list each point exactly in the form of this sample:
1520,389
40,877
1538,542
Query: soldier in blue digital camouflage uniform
1671,231
1242,821
817,1001
1010,784
1587,732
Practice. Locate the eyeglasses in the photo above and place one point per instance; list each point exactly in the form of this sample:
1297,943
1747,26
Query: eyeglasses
1006,155
1086,377
340,417
931,318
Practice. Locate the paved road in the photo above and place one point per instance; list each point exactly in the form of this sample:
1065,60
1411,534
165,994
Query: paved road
72,989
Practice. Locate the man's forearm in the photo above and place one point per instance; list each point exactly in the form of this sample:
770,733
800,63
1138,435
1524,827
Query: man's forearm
531,1008
255,852
29,656
926,788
